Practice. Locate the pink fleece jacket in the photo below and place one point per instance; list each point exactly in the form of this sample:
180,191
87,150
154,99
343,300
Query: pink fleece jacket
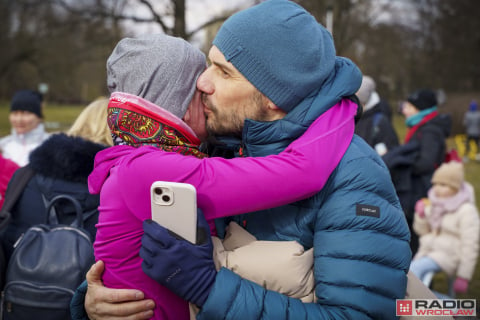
7,169
123,175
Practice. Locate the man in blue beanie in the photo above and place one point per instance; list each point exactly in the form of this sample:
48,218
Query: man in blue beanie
273,72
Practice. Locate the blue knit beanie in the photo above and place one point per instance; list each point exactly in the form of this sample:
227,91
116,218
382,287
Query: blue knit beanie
280,48
473,106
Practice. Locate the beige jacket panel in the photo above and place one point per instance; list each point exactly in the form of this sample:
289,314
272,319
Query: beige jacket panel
282,266
417,290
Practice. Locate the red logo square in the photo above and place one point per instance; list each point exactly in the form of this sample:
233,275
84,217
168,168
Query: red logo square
404,308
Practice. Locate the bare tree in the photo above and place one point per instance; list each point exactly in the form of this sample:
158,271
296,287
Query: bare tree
43,43
454,43
66,42
169,15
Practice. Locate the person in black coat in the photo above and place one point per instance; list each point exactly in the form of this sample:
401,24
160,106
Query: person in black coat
61,164
375,126
413,163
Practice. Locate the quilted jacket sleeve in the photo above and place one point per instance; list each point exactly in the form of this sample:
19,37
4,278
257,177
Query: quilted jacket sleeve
235,298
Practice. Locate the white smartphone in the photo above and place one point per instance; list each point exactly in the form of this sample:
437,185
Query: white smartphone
174,206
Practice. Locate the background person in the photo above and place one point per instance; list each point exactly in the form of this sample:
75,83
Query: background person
28,131
7,168
413,163
375,126
61,164
449,228
471,121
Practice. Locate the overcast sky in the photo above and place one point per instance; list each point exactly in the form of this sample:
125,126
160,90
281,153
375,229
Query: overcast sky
200,11
197,12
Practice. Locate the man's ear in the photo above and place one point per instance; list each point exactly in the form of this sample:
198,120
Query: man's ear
279,113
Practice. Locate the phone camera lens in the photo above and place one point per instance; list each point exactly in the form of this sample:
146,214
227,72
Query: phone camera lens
166,198
158,191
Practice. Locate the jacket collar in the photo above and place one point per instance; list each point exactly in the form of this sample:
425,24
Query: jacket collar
264,138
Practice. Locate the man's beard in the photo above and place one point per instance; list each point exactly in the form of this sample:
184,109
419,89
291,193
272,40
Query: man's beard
224,124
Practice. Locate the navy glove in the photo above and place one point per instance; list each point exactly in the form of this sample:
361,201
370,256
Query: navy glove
186,269
77,309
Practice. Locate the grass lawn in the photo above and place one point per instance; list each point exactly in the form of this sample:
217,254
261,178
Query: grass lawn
60,117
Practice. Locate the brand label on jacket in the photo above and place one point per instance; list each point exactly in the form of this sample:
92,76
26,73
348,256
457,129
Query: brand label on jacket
368,211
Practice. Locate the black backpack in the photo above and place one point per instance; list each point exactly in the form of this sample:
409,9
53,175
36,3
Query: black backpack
14,189
48,263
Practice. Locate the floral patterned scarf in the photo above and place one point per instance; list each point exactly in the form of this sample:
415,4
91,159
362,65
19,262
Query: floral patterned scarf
137,122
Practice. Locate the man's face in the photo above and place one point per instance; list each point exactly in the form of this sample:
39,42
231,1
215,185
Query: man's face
229,97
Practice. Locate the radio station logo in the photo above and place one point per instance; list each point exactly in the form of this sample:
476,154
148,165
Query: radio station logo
436,307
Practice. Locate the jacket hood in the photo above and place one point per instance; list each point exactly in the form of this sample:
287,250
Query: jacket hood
104,161
263,138
443,122
65,157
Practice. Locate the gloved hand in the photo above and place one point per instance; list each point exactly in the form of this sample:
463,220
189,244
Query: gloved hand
420,207
460,285
186,269
77,309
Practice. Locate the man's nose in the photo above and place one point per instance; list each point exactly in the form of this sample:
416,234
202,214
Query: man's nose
204,83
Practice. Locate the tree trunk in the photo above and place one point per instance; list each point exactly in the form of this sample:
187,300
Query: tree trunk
179,28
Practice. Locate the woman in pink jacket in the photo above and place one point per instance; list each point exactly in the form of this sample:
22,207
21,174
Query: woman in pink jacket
7,168
145,117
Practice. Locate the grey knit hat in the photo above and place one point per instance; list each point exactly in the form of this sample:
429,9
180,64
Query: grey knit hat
159,68
366,89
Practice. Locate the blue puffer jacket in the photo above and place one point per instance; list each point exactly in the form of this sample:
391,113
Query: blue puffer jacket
355,224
